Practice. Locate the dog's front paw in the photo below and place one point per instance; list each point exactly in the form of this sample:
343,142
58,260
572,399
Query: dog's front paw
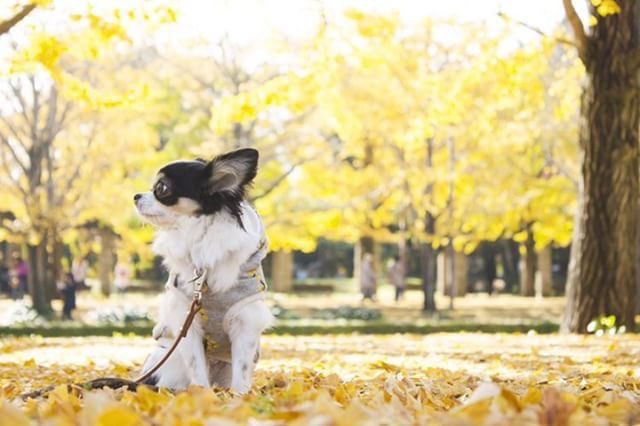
158,331
241,389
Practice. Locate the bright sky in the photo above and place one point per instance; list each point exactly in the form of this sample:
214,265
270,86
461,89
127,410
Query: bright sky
249,21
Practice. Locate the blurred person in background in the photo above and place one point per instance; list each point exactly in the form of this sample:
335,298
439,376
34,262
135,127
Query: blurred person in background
123,276
4,276
67,289
79,269
396,277
19,276
368,282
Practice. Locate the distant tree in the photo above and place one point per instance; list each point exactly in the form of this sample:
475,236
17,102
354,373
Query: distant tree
36,115
61,139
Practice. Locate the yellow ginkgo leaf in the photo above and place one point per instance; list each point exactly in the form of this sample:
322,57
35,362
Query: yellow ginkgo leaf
10,415
119,416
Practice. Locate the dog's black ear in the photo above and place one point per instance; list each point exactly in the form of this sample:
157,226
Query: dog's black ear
231,171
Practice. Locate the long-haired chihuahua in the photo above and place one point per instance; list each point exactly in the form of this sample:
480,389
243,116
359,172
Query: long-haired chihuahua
204,224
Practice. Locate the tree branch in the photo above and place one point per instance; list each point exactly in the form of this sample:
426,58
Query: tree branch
277,182
11,230
578,29
14,154
561,40
51,127
5,26
23,104
81,161
62,117
35,108
16,182
14,131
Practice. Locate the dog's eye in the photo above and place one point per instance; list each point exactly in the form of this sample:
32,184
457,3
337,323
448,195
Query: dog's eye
161,190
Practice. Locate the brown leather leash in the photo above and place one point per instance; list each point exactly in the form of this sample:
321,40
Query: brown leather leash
200,286
115,382
196,305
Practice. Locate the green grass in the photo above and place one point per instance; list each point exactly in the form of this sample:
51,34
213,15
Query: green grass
373,327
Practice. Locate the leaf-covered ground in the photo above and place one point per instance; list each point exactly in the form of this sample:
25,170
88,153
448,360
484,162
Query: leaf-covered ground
343,380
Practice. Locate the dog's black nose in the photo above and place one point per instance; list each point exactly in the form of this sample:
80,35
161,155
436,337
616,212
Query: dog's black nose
137,197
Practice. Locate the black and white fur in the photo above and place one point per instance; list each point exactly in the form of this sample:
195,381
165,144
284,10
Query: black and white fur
203,222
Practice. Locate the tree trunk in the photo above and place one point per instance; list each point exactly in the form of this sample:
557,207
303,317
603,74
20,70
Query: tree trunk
451,274
602,270
460,274
367,245
403,253
488,253
428,269
545,274
638,273
54,264
37,279
511,259
105,261
357,262
530,266
282,271
442,265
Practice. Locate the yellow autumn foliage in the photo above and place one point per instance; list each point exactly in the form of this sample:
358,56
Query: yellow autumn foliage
371,127
441,379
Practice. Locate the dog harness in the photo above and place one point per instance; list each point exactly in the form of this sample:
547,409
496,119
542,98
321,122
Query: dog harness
221,308
216,311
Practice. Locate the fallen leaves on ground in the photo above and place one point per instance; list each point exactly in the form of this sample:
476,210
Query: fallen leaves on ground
448,379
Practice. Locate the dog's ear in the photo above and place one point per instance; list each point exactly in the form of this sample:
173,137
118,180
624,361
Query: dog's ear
232,171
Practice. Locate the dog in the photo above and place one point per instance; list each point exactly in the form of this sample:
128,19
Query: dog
204,224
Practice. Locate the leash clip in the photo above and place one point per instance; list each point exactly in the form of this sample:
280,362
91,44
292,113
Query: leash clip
200,284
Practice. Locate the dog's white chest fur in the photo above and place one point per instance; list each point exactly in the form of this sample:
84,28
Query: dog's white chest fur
215,244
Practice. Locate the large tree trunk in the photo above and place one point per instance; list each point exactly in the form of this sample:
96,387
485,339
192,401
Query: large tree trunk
39,287
638,273
602,270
